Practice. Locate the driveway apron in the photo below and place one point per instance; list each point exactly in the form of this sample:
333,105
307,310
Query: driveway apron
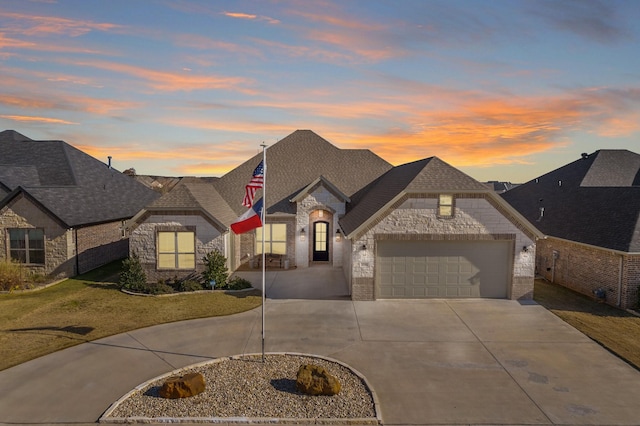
429,361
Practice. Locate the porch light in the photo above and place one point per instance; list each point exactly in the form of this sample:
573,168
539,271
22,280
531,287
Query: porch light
338,235
302,234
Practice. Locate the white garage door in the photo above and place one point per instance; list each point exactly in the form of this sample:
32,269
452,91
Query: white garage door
440,269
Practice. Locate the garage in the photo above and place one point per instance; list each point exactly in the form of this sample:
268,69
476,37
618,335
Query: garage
443,269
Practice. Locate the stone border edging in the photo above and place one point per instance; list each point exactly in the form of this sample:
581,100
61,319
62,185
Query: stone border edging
244,420
181,293
37,288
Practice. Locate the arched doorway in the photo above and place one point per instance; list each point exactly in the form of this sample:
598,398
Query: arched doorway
320,252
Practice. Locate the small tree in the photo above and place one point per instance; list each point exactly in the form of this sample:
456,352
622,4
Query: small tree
132,276
215,269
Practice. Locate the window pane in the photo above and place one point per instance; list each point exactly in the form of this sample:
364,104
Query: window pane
166,242
279,248
36,256
19,255
258,234
186,261
279,232
445,211
16,237
321,245
267,232
36,239
446,199
166,261
186,243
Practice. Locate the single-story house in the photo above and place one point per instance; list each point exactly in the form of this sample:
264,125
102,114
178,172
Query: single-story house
62,212
419,230
589,211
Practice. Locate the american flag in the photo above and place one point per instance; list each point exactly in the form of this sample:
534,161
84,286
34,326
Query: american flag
256,182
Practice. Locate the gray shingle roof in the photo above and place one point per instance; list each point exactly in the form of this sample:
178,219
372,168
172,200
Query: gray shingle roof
594,200
296,161
77,188
195,195
423,176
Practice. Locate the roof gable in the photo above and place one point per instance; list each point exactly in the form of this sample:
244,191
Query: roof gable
423,176
295,161
321,181
579,202
75,187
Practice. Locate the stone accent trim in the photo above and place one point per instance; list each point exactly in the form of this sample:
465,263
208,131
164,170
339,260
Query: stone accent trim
363,288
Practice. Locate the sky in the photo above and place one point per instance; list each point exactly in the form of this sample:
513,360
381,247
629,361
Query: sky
502,90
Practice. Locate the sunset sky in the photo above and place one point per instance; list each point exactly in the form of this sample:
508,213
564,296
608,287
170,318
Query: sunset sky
503,90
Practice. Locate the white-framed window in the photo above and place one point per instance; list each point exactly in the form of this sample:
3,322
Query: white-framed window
176,250
27,245
445,205
275,238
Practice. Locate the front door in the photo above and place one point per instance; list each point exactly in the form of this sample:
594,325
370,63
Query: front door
320,241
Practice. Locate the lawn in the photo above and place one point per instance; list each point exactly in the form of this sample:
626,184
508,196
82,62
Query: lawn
615,329
90,307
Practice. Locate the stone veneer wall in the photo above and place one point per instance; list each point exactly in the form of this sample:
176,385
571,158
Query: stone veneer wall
59,242
474,216
100,244
143,243
586,269
319,199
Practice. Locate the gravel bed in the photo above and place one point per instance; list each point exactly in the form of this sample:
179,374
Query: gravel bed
246,387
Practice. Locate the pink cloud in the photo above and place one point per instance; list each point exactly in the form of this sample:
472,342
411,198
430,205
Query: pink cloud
32,119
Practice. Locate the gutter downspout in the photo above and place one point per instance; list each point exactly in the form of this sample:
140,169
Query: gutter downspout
620,282
75,231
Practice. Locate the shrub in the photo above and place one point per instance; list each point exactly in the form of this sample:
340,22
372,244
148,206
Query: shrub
215,269
10,275
132,276
160,287
237,283
190,285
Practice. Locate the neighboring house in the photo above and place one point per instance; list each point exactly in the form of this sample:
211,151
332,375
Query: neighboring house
62,212
423,229
589,211
500,187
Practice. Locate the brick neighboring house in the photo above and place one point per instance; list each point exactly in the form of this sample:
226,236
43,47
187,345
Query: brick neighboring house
62,212
589,211
423,229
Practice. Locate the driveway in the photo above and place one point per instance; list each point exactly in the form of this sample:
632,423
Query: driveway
429,361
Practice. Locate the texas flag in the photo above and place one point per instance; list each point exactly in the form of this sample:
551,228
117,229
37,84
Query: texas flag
250,220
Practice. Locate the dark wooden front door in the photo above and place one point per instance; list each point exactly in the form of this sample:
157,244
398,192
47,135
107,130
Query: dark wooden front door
320,241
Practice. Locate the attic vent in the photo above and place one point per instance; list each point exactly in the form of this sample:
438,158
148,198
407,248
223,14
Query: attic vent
541,214
584,155
559,183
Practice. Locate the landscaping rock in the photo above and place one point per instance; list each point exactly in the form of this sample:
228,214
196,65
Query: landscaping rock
315,380
182,387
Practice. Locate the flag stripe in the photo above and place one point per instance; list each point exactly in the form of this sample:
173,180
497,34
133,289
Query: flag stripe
256,182
251,219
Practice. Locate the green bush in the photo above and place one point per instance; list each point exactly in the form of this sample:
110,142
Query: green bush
237,283
160,287
190,285
215,269
132,276
11,276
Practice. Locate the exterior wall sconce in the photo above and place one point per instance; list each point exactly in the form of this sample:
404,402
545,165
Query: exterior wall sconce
525,249
302,234
338,235
364,247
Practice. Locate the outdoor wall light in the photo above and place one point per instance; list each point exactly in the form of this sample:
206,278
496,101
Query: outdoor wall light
525,249
338,236
364,247
302,234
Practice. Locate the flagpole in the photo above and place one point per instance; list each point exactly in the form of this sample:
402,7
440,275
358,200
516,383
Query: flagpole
264,217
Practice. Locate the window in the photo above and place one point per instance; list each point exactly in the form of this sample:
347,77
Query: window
176,250
275,238
27,245
445,205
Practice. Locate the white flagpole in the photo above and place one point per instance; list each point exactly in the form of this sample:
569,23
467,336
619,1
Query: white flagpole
264,217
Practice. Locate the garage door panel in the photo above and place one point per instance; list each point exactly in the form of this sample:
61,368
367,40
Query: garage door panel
444,269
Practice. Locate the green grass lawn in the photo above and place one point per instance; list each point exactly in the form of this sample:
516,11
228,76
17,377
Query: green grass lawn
91,306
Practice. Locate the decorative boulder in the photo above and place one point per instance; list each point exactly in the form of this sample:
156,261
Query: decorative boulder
182,387
315,380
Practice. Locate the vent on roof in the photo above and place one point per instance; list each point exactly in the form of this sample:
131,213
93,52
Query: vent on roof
584,155
109,163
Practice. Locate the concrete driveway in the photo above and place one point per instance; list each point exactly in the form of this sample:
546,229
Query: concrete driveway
429,361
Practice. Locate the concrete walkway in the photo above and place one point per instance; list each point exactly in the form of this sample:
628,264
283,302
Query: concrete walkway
430,361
